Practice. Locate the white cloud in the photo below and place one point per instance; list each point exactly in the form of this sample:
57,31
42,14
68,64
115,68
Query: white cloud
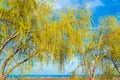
59,4
93,4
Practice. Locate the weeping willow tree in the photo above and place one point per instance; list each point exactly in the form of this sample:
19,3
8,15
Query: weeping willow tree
28,33
111,28
21,21
101,50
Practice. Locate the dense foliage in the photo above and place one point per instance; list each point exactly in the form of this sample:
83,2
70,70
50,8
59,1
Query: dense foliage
31,31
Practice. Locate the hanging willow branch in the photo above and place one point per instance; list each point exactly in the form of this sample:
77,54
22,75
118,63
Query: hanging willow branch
8,40
18,64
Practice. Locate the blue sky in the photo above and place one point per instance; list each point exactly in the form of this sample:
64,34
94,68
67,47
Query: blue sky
98,7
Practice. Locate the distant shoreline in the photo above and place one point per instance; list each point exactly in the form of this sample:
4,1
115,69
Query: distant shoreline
39,76
48,76
51,77
43,79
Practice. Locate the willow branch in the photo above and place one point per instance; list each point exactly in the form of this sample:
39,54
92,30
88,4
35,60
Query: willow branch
77,67
12,55
8,40
7,20
18,64
7,60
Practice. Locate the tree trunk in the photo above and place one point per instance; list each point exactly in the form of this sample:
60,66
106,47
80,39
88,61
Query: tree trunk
2,77
91,77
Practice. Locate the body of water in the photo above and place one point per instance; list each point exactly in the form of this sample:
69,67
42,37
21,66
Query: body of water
49,76
39,76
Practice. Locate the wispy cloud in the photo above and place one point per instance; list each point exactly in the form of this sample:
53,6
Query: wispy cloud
60,4
91,4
